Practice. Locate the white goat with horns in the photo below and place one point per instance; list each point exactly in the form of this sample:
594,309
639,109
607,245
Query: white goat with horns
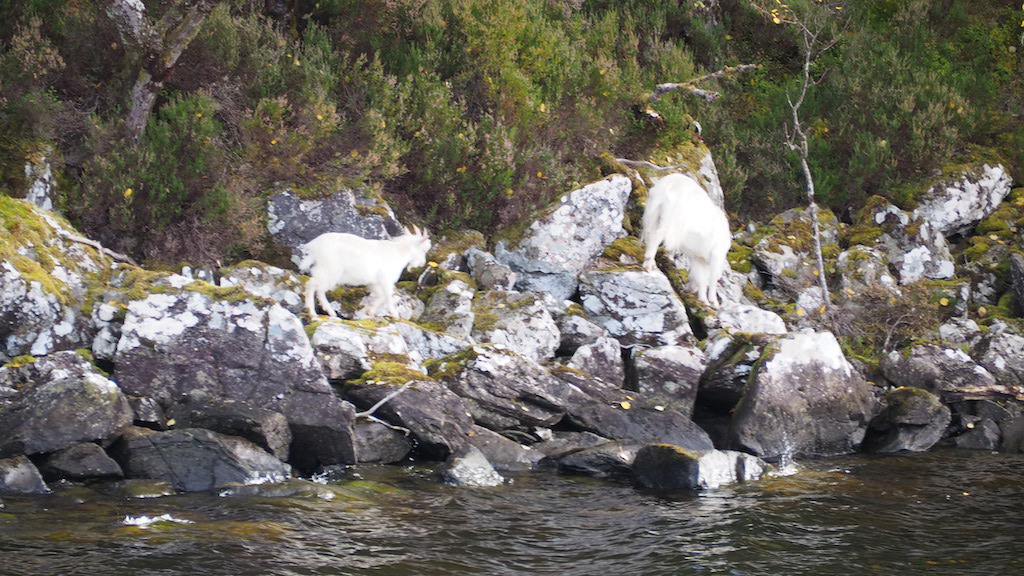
338,259
681,215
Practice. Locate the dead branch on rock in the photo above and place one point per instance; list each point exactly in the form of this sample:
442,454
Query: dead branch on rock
651,165
997,392
691,85
115,255
368,414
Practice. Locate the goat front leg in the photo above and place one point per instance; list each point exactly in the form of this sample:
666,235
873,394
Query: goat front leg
321,295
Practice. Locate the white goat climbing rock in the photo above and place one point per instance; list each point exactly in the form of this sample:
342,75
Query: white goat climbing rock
338,259
680,215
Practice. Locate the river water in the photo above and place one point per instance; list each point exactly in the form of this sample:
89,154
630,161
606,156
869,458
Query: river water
945,512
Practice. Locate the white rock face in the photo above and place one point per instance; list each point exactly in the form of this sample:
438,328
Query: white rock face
746,318
635,306
956,205
516,321
559,245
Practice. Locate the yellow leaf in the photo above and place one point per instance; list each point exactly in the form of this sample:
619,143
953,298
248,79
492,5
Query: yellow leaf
625,405
982,312
171,422
128,192
199,114
800,312
509,192
540,174
273,142
822,309
776,20
542,108
944,301
432,264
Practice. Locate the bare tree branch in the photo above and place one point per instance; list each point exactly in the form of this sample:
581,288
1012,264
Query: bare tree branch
646,164
115,255
383,401
691,85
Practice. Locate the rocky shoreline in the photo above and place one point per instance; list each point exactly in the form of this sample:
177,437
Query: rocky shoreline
553,350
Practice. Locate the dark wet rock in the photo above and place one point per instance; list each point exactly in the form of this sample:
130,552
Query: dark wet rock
62,400
85,461
669,468
468,467
934,368
19,476
559,443
912,420
1013,434
1017,276
669,375
140,488
501,452
265,428
437,418
618,414
606,460
803,398
377,443
148,412
193,459
979,434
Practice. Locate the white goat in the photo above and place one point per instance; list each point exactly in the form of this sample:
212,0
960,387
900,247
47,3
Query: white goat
681,215
337,259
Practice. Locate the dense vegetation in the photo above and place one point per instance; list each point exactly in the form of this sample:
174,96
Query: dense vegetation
471,113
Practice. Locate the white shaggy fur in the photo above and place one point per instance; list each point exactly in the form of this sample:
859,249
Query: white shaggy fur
337,259
681,215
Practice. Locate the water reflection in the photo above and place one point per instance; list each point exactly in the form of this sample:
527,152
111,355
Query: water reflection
941,513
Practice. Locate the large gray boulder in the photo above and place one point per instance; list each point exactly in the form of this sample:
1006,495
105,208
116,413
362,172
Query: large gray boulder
960,200
670,375
265,428
194,460
635,306
18,476
601,359
293,221
913,420
44,282
804,398
61,400
560,244
80,462
469,468
1002,354
240,348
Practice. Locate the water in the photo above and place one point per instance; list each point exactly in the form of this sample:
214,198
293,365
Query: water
947,512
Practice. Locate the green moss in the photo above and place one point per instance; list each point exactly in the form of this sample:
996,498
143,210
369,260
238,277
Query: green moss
19,361
447,367
624,250
391,373
741,258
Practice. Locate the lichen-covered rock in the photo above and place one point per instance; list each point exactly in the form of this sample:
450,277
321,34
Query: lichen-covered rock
195,460
518,321
560,244
914,247
451,309
785,252
934,369
670,375
45,278
469,468
747,318
436,417
488,272
62,400
669,468
40,179
912,420
346,349
19,476
294,221
575,331
960,200
861,267
1002,354
237,348
601,359
259,279
1017,275
803,399
635,306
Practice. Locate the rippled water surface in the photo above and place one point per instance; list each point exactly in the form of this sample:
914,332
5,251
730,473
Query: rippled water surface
948,512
